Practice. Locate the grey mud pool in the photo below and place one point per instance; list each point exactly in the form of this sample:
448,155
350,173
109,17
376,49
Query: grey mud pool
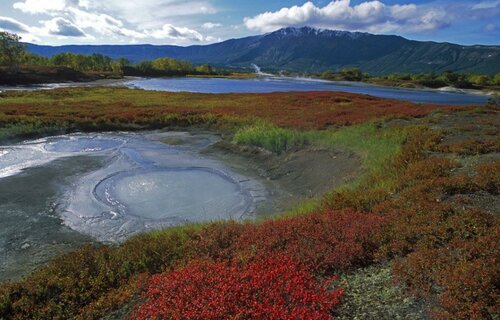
60,192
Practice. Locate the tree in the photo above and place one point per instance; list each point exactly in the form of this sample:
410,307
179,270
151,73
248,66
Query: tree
81,62
327,75
11,50
352,74
204,69
399,76
480,80
496,79
146,67
450,77
119,65
117,68
31,59
124,62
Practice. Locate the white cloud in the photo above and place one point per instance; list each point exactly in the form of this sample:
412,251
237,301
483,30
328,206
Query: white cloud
9,24
212,39
102,24
480,11
169,31
62,27
40,6
90,19
491,27
152,13
372,16
142,12
486,4
211,25
403,12
26,32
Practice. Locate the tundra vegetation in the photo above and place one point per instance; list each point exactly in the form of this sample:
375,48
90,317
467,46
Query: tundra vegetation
14,56
414,236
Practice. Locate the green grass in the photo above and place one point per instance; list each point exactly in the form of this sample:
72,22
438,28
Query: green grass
374,143
30,129
272,138
305,207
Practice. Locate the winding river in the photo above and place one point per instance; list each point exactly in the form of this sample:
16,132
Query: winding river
279,84
285,84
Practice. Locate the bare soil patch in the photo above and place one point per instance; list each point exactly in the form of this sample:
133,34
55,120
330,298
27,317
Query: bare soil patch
293,176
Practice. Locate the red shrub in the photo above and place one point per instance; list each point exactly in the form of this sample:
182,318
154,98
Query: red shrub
217,241
359,199
464,277
470,147
307,110
488,177
324,242
272,287
428,169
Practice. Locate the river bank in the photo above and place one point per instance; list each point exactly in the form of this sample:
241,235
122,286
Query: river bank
251,83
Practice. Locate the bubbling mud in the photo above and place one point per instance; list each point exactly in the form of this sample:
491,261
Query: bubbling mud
144,183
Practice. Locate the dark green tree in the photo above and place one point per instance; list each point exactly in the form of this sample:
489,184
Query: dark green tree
204,69
496,79
352,74
117,68
11,50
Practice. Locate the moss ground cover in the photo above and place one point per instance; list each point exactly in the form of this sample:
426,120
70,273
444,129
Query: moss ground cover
415,207
370,294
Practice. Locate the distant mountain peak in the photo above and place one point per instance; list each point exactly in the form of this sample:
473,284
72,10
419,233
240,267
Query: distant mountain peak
308,31
306,49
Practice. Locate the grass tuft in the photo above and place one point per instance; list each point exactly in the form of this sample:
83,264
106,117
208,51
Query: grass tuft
270,137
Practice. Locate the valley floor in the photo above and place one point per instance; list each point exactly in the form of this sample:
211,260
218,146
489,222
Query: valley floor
412,235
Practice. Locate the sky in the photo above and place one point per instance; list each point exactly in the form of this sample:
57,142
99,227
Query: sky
188,22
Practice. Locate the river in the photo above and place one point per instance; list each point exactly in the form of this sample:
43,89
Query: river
276,84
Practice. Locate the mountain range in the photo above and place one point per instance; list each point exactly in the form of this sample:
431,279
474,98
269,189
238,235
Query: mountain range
311,50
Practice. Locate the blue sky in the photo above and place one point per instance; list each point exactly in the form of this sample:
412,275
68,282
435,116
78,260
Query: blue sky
185,22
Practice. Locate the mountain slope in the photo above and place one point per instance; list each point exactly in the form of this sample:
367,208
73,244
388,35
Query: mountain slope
313,50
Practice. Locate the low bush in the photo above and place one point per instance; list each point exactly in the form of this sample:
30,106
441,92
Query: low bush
471,147
326,242
463,276
323,243
446,252
66,286
123,107
114,299
270,287
488,177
